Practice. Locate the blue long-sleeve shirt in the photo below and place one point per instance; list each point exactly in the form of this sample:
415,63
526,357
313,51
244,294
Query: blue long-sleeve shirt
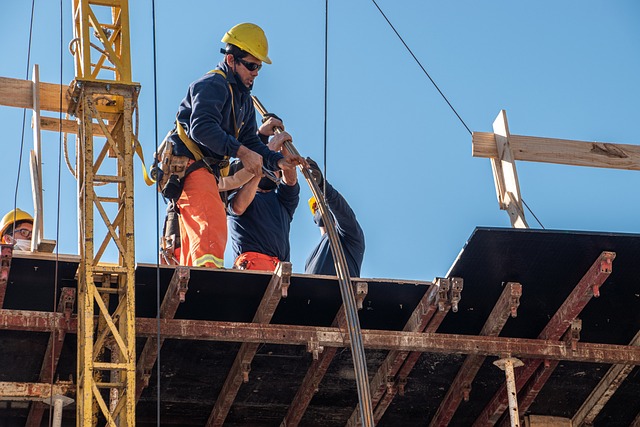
207,116
351,236
264,226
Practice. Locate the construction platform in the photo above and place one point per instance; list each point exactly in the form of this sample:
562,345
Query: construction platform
256,349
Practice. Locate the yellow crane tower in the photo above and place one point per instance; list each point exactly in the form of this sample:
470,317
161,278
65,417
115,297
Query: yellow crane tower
103,99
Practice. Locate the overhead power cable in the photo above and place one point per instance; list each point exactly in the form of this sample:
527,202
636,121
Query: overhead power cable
59,186
155,127
423,69
436,86
326,56
24,115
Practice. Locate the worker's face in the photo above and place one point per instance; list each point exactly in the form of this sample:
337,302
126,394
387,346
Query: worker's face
21,237
241,66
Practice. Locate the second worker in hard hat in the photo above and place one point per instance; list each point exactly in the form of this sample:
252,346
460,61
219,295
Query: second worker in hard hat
260,214
349,231
16,228
216,121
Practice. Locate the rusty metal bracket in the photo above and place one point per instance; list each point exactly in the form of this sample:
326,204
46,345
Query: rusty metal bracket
456,284
5,266
443,286
245,368
362,288
572,336
66,303
182,276
285,277
514,298
314,348
402,382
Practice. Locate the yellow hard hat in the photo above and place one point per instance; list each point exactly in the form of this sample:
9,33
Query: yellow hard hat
12,217
250,38
313,205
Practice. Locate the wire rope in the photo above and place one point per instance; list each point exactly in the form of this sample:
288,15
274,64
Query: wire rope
24,119
54,339
436,86
326,86
423,69
155,121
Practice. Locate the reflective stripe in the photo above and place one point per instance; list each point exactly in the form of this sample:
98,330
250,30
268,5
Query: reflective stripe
209,258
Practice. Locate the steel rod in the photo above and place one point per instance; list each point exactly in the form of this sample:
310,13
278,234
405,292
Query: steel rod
348,299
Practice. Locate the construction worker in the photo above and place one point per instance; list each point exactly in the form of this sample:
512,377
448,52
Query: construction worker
216,121
16,228
260,215
349,231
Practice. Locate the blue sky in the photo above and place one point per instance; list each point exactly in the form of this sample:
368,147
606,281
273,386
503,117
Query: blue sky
395,149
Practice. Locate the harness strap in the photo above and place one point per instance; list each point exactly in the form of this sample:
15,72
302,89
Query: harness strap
193,147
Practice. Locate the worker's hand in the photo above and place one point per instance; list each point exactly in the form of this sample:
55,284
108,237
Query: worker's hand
290,161
251,160
275,144
316,173
268,127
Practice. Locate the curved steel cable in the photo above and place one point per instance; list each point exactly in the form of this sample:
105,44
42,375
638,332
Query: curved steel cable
346,289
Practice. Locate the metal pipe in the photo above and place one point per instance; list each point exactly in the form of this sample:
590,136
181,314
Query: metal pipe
507,364
57,412
346,289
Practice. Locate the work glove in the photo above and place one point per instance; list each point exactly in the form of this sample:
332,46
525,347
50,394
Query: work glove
267,115
316,173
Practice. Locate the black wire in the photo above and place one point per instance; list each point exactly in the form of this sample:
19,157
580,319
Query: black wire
437,88
326,54
24,119
423,69
54,340
155,115
534,215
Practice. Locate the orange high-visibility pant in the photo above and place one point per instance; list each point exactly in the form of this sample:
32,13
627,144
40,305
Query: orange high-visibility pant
256,261
203,222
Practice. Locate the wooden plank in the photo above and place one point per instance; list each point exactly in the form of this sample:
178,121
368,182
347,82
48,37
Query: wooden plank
505,174
561,151
19,93
68,126
36,165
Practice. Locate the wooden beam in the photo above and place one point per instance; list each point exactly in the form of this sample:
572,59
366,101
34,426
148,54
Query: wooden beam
505,174
36,165
561,151
19,93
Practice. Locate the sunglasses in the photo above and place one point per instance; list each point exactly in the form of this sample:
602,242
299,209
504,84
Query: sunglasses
23,232
251,66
